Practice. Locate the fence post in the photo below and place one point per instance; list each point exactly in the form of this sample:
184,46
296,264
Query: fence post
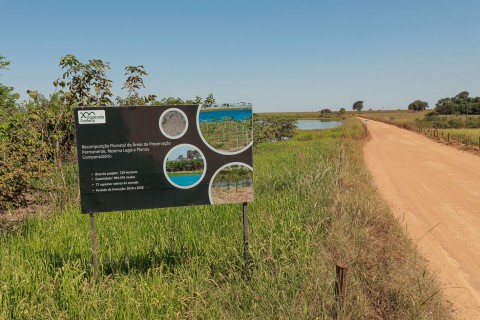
93,237
448,137
340,289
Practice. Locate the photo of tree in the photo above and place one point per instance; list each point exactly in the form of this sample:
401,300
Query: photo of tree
185,166
233,184
227,129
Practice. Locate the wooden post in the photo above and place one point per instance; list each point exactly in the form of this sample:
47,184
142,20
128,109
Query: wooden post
93,237
340,289
448,137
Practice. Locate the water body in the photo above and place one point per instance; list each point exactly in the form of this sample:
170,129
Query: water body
185,181
317,124
218,115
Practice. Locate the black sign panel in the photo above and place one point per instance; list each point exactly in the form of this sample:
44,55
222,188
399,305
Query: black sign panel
163,156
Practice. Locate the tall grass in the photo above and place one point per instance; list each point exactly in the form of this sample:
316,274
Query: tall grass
309,213
465,136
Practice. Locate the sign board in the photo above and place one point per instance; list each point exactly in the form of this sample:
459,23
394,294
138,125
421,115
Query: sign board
163,156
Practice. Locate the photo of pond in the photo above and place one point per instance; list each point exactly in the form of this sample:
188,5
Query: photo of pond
173,123
184,166
232,184
228,130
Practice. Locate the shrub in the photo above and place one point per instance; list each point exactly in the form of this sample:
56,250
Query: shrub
23,157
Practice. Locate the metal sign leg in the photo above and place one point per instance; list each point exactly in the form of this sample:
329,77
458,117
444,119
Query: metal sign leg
93,236
245,236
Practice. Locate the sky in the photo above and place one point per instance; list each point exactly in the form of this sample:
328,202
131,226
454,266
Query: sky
180,150
278,55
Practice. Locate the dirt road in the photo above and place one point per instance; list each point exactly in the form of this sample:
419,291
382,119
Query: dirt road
434,190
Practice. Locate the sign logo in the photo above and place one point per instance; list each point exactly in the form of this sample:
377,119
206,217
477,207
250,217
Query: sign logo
91,117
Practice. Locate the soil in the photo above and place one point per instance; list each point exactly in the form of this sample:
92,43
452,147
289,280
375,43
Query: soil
221,195
434,190
173,123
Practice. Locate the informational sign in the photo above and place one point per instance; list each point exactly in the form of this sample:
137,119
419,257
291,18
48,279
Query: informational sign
163,156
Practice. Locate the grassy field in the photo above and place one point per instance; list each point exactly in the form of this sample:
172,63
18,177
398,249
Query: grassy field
401,118
315,205
465,136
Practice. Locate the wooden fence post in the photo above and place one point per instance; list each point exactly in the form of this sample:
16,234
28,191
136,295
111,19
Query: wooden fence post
340,289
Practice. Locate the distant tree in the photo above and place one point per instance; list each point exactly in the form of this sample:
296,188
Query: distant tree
180,157
358,106
209,100
460,104
324,111
198,100
418,105
342,110
196,154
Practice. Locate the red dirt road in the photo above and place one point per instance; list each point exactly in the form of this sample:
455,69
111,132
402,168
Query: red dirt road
434,190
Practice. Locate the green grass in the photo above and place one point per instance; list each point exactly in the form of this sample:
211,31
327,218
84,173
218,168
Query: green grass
184,173
310,212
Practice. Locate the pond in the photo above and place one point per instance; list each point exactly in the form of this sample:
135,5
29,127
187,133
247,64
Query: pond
216,115
317,124
186,180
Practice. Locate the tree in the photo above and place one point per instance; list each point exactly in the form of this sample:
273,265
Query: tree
324,111
87,83
134,83
418,105
358,106
342,110
209,100
198,100
3,63
8,99
460,104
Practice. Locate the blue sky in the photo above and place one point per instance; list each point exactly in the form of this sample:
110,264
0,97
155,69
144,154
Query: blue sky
279,55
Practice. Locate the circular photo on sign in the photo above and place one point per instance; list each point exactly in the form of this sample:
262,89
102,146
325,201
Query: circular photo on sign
184,166
232,183
227,129
173,123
